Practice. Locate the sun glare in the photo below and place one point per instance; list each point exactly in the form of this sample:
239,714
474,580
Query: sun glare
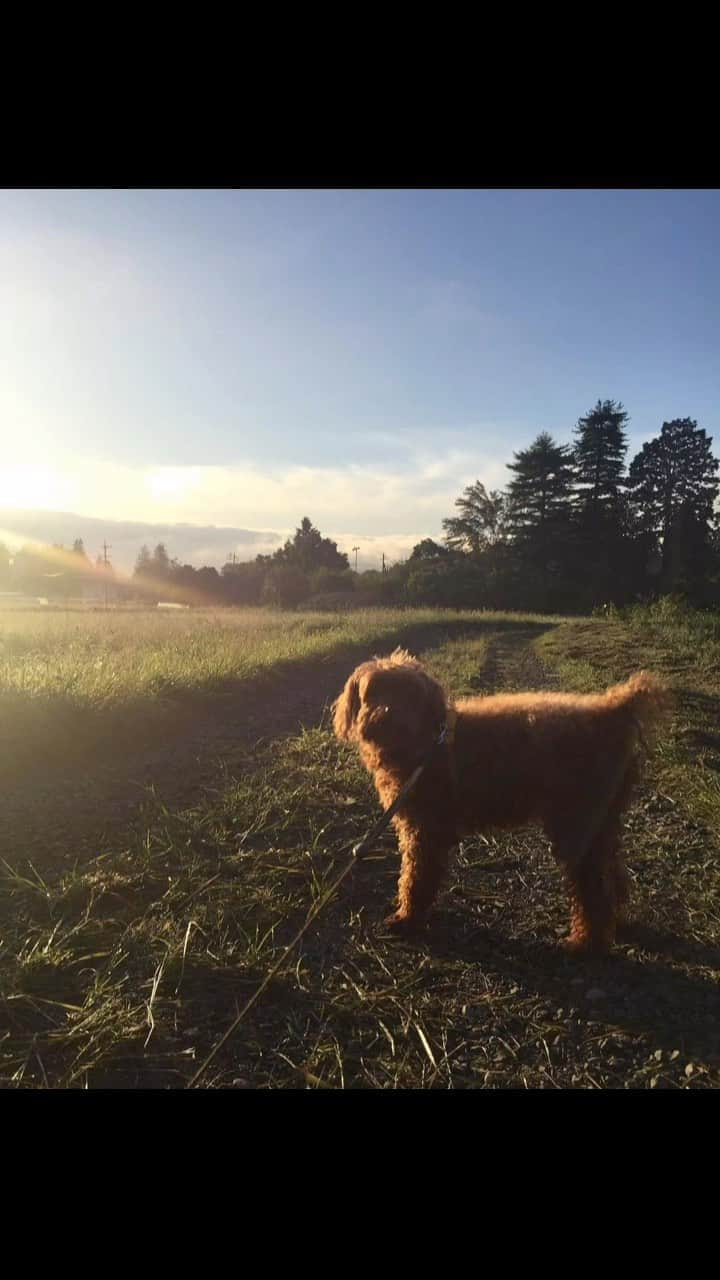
169,482
29,486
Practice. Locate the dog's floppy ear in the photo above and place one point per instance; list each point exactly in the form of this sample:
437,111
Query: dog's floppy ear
347,707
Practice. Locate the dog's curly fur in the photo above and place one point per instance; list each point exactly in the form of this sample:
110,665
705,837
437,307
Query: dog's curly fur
566,761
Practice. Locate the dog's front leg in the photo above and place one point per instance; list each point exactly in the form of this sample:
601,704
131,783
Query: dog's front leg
425,855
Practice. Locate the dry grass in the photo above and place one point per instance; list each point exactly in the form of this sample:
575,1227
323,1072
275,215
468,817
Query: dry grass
99,659
123,969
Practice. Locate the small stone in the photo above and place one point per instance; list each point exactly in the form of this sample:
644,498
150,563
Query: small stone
595,993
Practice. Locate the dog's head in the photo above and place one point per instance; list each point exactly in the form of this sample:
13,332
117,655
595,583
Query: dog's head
392,704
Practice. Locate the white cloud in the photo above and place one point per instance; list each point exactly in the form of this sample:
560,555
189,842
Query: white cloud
369,498
206,512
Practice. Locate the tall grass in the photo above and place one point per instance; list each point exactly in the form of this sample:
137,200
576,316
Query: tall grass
101,659
72,683
690,634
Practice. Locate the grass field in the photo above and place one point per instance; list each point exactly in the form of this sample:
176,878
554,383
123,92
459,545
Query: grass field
175,804
78,681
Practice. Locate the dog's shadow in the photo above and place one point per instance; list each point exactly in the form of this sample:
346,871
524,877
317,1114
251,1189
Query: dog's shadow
647,995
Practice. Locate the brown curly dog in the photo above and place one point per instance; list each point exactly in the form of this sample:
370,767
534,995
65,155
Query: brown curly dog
567,761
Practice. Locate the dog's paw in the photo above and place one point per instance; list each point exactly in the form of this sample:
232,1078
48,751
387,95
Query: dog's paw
574,946
402,926
584,946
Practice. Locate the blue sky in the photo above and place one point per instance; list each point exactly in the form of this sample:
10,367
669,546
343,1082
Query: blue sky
243,358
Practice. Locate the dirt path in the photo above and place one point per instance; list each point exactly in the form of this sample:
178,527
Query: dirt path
73,810
511,663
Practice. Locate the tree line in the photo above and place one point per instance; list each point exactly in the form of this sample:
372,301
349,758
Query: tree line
52,571
575,527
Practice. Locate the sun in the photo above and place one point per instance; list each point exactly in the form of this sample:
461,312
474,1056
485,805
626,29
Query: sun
30,486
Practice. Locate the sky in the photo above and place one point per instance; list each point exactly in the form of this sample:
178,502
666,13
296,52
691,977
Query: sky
230,361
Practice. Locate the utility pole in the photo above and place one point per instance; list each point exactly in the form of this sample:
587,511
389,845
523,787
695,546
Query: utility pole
106,548
232,557
356,549
383,563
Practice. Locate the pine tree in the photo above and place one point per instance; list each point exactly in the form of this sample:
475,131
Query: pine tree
672,488
599,461
540,495
143,564
160,564
308,550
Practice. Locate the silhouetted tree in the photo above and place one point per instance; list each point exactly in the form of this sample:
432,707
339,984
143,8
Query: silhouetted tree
598,555
143,564
77,568
160,564
428,550
327,581
285,586
457,582
481,521
672,487
539,496
598,459
209,583
309,550
243,583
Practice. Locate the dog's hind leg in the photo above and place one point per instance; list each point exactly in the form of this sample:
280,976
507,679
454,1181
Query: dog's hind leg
597,879
591,886
590,867
425,856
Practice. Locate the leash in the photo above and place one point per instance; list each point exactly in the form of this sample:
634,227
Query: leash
358,851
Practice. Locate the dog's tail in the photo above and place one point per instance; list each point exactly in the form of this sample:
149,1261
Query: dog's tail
648,700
